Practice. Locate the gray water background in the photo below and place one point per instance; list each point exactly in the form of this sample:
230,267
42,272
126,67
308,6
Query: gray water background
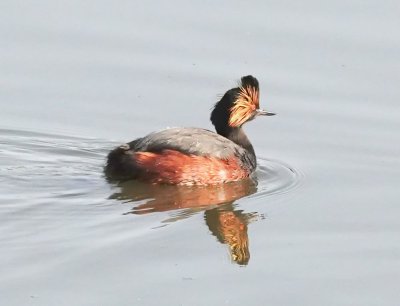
79,77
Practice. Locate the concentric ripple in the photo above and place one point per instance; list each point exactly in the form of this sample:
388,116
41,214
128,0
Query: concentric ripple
275,176
40,167
53,193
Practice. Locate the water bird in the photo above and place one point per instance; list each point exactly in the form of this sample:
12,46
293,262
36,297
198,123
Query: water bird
196,156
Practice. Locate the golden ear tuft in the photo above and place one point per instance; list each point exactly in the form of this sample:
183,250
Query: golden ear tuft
247,102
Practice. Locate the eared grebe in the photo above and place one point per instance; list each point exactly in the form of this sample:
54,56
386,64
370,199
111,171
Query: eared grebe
195,156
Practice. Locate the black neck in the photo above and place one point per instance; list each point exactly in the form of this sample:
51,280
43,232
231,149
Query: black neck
238,136
220,119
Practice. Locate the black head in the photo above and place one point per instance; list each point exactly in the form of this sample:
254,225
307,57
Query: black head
238,106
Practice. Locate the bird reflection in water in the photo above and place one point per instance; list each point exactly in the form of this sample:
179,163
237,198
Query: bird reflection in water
226,223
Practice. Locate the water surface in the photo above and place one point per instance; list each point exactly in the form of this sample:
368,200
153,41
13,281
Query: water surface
319,225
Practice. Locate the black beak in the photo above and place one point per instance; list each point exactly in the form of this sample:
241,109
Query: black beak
262,112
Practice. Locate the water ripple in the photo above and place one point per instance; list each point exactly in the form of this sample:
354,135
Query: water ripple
62,168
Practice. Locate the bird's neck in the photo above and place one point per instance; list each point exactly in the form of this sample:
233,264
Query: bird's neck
238,136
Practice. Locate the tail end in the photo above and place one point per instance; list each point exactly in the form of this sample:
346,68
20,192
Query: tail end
120,164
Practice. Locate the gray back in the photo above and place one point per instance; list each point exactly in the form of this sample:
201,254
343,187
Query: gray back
190,141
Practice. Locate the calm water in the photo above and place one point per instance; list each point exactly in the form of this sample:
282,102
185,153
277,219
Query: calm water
320,224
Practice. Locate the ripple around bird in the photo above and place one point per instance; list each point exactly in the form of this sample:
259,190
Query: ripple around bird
44,166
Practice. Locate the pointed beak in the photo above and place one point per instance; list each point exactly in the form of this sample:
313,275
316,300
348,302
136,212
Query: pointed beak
262,112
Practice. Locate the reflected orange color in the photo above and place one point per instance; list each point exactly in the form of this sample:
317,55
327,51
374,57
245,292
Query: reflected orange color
228,225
